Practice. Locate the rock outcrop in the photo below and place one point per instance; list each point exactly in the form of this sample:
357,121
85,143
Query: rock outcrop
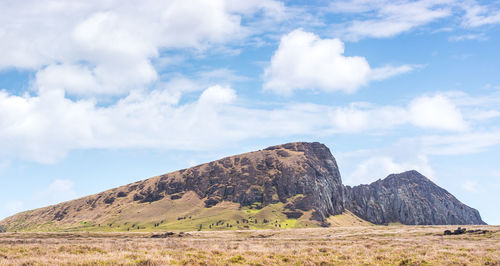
303,175
296,180
408,198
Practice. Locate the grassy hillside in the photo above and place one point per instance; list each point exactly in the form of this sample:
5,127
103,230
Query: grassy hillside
295,185
187,213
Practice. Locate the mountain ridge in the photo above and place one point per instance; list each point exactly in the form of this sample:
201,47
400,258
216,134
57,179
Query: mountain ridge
291,185
410,198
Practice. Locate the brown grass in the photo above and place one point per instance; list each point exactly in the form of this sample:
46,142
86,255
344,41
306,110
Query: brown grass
373,245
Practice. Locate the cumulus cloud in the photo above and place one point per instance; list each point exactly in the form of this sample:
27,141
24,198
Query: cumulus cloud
96,47
431,112
45,127
436,112
305,61
104,79
217,95
364,116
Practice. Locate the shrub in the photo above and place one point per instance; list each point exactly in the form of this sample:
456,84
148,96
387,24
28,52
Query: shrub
2,229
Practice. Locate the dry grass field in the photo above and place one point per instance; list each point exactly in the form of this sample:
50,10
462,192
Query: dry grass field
372,245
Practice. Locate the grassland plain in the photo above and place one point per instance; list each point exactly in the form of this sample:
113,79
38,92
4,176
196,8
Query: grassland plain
372,245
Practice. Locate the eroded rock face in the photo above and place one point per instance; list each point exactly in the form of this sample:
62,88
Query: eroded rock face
303,174
409,198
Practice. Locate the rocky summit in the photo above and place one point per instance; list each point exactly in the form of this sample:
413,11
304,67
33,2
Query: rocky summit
408,198
305,176
292,185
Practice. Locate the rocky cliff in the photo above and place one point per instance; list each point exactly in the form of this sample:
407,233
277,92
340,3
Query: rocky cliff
303,175
286,186
408,198
261,189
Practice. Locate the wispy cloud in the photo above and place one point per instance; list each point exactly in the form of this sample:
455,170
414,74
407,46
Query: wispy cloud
388,18
468,37
477,15
384,19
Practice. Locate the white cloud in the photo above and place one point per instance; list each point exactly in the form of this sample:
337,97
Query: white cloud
388,18
477,15
222,74
468,37
96,47
104,79
45,127
384,18
478,114
432,112
378,167
217,95
363,116
436,112
304,61
466,143
388,71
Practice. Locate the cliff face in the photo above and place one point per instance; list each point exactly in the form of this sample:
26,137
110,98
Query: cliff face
291,181
276,174
408,198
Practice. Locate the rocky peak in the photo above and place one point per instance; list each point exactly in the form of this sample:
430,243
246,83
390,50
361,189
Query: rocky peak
303,175
408,198
411,176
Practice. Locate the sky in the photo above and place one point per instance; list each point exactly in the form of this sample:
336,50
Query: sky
98,94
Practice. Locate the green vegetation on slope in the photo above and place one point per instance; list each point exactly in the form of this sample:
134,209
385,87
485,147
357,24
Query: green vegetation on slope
185,214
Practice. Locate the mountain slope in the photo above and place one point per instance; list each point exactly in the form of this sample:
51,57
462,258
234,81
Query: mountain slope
408,198
290,185
293,185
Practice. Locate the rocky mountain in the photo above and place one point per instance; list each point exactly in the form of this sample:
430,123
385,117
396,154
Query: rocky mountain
408,198
276,174
286,186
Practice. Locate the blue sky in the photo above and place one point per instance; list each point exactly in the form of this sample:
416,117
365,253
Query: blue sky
97,94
